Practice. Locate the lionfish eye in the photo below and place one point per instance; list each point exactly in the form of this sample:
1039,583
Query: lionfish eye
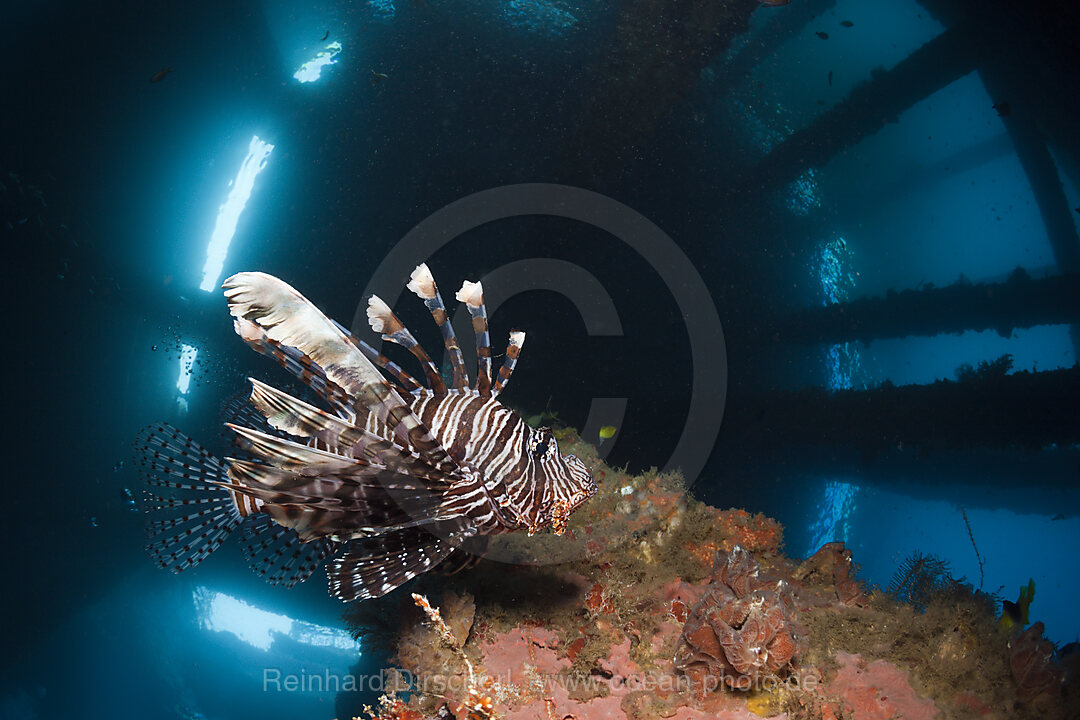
540,449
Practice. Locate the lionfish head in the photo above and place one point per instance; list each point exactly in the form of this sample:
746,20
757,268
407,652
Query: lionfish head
566,481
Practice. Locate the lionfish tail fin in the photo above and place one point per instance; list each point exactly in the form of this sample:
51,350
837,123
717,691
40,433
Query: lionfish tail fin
189,512
422,283
472,294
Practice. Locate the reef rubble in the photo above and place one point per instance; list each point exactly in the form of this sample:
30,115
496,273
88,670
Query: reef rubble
654,605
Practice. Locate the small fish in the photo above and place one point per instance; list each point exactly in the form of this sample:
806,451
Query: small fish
325,36
774,3
1004,109
607,432
847,23
160,75
385,484
822,34
1059,516
830,78
378,77
93,521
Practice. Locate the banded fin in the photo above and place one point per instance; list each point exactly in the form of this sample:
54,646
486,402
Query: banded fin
513,350
193,513
278,555
422,283
289,318
472,294
296,363
465,557
295,417
374,567
407,382
383,321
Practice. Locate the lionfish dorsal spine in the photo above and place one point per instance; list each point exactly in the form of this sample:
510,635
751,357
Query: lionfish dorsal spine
287,317
472,294
513,350
406,381
422,284
383,321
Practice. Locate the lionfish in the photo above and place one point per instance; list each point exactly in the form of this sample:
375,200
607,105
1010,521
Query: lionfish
389,483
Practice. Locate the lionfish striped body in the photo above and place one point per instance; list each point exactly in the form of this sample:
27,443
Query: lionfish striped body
390,482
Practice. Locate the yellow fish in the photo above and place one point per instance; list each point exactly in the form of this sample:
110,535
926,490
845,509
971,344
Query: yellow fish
607,432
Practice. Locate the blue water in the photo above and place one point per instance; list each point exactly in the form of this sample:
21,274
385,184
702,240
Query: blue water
268,147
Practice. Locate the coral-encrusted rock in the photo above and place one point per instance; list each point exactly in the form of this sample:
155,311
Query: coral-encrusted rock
834,560
1031,659
743,630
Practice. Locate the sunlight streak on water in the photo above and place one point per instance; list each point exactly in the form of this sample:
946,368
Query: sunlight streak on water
229,213
188,354
219,612
312,69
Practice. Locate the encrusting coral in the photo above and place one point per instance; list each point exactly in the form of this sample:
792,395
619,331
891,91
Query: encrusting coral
744,628
649,587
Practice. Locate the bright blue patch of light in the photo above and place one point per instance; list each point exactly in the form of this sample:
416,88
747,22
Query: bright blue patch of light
843,362
539,16
229,213
804,194
383,9
187,364
312,69
834,515
259,628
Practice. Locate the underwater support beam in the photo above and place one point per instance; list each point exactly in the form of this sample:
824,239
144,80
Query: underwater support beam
654,59
868,108
989,410
1020,302
787,23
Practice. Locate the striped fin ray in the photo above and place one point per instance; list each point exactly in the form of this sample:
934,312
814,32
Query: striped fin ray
278,555
296,363
383,321
190,514
407,382
379,499
513,350
289,318
422,283
296,417
472,294
372,567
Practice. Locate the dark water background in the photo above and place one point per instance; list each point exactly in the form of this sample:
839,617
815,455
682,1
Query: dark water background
785,188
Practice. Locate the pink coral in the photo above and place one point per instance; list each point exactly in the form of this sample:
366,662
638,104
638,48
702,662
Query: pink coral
878,690
743,629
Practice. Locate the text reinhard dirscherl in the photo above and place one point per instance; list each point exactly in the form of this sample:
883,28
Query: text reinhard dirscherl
274,680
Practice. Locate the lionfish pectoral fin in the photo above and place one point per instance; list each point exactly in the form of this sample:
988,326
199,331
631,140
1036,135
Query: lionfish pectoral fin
466,556
373,567
190,512
472,294
278,555
422,283
296,363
